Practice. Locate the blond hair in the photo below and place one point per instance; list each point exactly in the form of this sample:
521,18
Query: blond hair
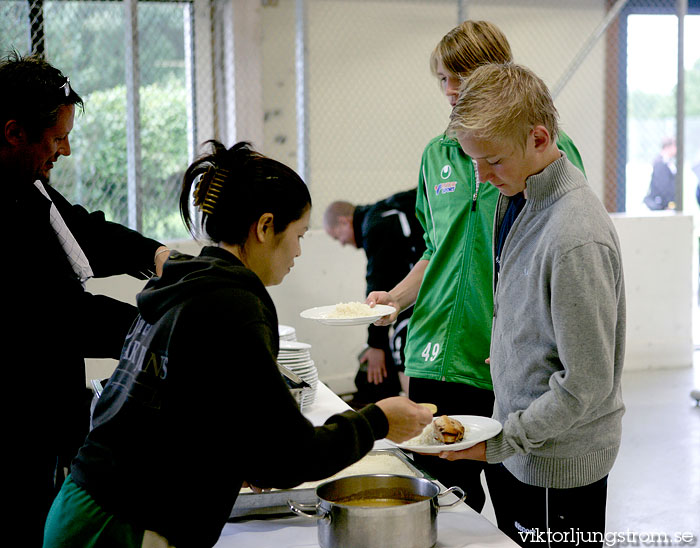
469,45
503,103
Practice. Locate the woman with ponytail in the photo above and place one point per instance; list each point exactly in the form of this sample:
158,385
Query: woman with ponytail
196,407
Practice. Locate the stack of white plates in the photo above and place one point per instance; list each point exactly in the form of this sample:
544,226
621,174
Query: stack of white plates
296,356
287,333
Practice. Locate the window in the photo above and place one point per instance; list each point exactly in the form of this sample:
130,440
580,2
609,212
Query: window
648,39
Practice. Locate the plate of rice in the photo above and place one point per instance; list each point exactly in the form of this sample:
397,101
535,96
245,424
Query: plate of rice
351,313
476,429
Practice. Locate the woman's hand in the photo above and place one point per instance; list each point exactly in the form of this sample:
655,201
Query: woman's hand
406,418
383,297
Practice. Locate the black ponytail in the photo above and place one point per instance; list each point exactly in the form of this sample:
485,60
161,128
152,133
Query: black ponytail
233,187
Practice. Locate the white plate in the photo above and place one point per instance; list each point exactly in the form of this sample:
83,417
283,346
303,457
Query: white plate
308,366
294,364
287,333
299,352
320,314
294,356
480,429
294,345
285,330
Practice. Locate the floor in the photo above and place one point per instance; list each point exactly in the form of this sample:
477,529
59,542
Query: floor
655,484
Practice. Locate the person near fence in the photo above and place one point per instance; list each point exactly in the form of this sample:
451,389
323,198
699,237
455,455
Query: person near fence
557,345
55,323
450,331
662,187
178,427
392,239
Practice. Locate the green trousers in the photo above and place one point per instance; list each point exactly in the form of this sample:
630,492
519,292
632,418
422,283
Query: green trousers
76,521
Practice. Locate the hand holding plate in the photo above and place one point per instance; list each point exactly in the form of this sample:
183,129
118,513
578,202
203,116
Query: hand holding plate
384,297
476,452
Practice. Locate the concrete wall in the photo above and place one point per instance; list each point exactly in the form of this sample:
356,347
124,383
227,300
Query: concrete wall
657,253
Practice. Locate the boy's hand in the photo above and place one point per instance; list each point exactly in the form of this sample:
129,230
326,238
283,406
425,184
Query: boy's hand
383,297
477,452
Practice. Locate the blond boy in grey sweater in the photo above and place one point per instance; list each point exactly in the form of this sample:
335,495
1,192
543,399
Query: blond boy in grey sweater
557,345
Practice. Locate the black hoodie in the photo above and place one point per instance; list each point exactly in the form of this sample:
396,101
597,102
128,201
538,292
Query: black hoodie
197,405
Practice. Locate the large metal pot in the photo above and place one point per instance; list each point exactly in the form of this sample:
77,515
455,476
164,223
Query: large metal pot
377,511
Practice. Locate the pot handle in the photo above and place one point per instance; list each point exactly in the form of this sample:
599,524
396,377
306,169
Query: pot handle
458,490
299,508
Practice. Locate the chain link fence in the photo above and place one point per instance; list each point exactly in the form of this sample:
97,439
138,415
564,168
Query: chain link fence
343,93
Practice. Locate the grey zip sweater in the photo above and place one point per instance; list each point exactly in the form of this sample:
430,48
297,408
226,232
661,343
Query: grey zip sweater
558,339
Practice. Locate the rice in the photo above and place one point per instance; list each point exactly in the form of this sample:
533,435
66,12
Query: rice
426,437
351,310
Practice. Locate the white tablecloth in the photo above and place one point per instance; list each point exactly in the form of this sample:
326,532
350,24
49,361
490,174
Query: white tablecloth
458,527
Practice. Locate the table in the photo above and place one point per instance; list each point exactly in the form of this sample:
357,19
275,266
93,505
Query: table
458,527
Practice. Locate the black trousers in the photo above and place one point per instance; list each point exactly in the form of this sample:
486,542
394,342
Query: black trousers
540,517
452,398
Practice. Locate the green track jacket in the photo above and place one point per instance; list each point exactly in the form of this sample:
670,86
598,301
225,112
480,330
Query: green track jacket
450,330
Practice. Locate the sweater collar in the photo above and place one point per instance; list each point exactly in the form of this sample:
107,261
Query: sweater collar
558,178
